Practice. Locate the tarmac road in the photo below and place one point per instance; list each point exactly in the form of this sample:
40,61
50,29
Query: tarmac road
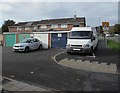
38,68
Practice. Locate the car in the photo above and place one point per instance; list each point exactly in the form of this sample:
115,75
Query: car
116,34
109,35
27,45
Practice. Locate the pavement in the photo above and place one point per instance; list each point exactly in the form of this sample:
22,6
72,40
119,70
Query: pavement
89,66
38,68
13,85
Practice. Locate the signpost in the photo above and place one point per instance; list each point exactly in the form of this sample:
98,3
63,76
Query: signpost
105,26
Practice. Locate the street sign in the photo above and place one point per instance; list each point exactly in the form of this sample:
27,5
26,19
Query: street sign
105,26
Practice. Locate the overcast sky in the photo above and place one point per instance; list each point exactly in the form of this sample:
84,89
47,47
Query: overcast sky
94,12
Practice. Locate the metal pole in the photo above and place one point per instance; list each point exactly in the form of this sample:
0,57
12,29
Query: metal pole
99,26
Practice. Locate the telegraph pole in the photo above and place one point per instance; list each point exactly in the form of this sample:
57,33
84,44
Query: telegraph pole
99,25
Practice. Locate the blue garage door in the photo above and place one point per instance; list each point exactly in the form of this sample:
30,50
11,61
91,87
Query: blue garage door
58,40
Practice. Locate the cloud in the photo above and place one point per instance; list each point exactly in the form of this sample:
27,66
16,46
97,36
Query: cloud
59,0
29,11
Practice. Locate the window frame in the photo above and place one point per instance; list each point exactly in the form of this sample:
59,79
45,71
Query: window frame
43,26
19,28
27,28
54,26
63,26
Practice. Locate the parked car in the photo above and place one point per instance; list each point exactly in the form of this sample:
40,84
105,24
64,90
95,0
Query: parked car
109,35
27,45
116,34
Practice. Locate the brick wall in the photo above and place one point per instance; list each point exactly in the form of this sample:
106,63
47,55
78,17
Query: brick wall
1,37
31,28
12,29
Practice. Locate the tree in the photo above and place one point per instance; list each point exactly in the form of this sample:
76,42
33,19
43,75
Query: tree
6,24
99,29
117,28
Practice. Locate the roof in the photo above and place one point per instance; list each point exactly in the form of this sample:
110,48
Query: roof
23,24
81,29
52,21
63,20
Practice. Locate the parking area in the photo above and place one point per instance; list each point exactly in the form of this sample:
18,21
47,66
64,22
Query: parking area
39,68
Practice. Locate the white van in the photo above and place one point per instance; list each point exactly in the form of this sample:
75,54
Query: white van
82,40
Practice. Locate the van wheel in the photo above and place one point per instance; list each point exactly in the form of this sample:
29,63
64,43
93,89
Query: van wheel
91,51
96,47
68,52
27,49
40,47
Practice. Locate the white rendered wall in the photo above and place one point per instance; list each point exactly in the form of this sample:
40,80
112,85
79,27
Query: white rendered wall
43,38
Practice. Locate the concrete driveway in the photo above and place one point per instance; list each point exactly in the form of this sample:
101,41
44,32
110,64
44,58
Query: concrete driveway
39,68
103,60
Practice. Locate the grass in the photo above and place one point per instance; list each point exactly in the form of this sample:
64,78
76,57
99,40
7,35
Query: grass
113,45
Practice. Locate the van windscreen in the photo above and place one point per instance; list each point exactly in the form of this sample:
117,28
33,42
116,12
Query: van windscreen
80,34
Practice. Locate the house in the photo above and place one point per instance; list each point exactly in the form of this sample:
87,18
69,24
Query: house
22,27
62,24
52,32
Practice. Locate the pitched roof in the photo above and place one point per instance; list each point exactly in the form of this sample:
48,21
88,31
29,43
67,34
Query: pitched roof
23,24
52,21
62,20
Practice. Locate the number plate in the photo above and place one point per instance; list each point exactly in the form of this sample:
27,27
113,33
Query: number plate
77,49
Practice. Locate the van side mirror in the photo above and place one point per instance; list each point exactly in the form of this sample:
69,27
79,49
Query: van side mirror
93,38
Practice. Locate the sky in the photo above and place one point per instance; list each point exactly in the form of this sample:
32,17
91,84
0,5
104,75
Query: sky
94,11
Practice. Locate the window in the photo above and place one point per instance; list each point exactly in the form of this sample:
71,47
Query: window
54,26
43,26
81,34
27,28
26,41
19,28
81,25
36,40
76,25
35,27
59,35
63,25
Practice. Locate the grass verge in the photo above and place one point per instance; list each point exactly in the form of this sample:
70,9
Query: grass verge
113,45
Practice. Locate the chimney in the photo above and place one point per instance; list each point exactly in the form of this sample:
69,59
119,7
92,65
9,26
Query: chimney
75,16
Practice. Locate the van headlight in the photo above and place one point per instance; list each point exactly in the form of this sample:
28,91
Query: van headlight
21,46
86,45
68,46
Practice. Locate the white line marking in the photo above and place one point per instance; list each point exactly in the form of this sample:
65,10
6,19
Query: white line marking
92,56
54,57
